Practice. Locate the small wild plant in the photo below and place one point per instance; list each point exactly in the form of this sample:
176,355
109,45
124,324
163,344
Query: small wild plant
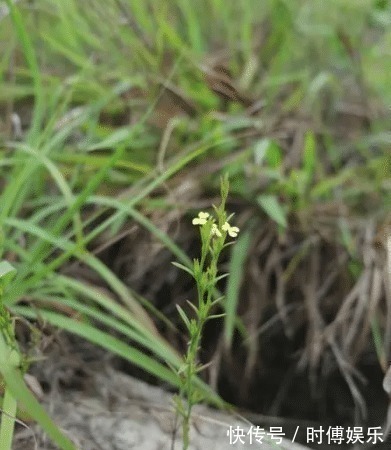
214,231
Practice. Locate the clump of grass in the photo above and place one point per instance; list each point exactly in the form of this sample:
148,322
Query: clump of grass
214,231
13,365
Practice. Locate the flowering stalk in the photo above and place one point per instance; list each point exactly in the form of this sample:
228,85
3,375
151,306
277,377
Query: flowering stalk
214,230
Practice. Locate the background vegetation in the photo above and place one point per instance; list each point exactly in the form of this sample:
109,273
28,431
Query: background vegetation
117,119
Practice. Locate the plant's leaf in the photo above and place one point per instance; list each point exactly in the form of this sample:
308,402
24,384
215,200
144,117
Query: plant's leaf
13,379
181,266
184,317
272,208
309,157
239,254
7,272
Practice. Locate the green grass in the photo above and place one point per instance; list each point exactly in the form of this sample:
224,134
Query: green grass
87,79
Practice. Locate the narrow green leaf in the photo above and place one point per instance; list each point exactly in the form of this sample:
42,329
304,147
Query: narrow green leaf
32,62
260,150
105,340
7,272
9,369
183,316
14,381
221,277
236,269
120,136
309,157
181,266
272,208
273,155
8,418
216,316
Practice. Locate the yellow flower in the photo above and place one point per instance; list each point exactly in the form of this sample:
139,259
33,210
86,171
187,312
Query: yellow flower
232,231
201,219
215,231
